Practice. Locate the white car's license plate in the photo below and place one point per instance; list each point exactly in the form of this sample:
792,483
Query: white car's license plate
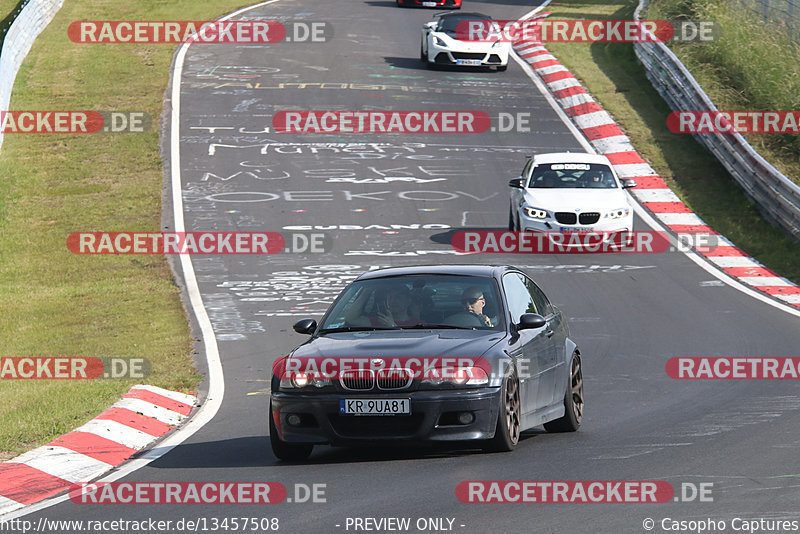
565,229
468,62
428,4
375,406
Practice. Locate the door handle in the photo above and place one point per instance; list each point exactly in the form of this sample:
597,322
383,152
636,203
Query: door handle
549,333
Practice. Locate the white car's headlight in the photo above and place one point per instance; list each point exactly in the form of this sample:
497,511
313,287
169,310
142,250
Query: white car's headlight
438,41
618,213
535,213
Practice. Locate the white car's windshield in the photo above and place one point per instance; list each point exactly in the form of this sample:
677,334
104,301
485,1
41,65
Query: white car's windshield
572,176
450,24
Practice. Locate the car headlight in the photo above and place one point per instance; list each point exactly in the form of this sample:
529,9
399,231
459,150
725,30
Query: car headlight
438,41
463,376
535,213
301,380
618,213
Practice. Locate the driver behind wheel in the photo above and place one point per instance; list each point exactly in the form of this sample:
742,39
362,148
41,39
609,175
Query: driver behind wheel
473,301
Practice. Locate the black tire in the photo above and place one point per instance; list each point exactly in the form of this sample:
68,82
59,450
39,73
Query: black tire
288,452
501,68
573,400
509,424
422,55
512,226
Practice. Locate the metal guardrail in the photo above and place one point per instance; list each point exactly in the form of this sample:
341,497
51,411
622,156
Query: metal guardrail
5,23
26,25
777,197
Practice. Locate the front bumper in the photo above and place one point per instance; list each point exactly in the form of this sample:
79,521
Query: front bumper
490,57
528,224
432,417
431,3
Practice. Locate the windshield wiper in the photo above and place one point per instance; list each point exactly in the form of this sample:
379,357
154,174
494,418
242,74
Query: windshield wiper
355,329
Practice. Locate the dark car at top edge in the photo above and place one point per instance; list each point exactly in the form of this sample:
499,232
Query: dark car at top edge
428,354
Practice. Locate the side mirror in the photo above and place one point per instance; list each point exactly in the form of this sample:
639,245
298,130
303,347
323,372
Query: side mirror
305,326
531,320
627,183
516,183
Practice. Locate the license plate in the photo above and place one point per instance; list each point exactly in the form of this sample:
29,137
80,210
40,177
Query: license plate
375,406
428,4
565,229
468,62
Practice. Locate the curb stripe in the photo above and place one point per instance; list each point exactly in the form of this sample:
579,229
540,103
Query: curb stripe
137,421
159,400
667,207
94,446
174,395
26,485
122,434
129,425
63,463
624,158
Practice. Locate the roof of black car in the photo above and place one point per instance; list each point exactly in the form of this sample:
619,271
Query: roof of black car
463,270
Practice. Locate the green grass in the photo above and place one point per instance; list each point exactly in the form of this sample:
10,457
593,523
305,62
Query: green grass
612,74
55,303
751,66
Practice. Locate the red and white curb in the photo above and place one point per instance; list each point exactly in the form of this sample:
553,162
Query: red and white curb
144,414
652,192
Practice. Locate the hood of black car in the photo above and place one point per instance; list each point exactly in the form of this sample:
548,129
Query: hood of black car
401,344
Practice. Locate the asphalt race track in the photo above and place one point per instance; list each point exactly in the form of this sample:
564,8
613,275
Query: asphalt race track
628,312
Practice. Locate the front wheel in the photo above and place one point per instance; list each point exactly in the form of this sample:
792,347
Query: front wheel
512,226
573,400
422,55
283,450
509,425
501,68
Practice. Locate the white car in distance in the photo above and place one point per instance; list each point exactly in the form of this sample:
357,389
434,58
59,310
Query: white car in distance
441,43
570,192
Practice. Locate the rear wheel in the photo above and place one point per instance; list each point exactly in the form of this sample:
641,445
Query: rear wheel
509,426
284,450
573,400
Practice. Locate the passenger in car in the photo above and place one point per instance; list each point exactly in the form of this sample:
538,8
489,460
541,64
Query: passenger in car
392,308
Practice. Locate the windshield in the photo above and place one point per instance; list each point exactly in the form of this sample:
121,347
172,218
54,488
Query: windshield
449,24
417,301
572,175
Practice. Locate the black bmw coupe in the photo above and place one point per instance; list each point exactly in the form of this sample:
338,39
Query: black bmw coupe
428,353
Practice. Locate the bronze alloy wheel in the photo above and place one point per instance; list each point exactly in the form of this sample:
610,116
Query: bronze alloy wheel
512,410
576,384
573,400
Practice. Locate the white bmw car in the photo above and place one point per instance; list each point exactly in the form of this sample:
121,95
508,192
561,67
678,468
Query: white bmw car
441,45
570,192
